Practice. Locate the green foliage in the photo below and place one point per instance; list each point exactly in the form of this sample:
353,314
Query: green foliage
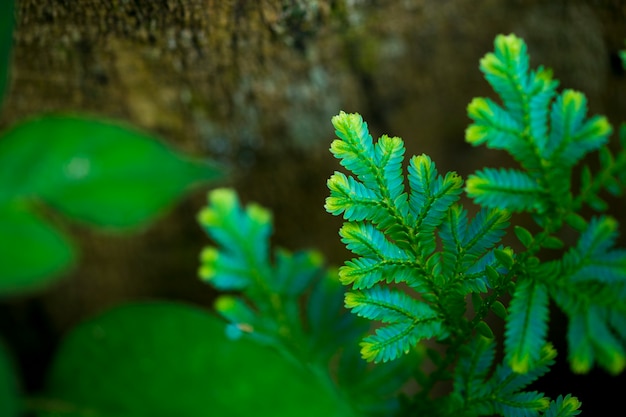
97,172
419,257
264,300
169,359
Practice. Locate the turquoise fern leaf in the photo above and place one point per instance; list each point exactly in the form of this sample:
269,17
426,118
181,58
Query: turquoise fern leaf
388,306
571,136
526,325
431,195
505,189
478,392
352,198
567,406
365,240
392,341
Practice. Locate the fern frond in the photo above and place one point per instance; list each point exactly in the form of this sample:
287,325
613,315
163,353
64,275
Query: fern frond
567,406
392,341
464,245
355,147
365,240
330,328
379,166
505,379
485,231
497,129
526,325
506,70
352,198
521,127
571,136
388,306
364,273
295,272
590,339
475,362
505,189
431,194
522,404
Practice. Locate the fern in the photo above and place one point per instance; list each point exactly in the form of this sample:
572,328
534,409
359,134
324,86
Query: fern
420,259
265,290
422,239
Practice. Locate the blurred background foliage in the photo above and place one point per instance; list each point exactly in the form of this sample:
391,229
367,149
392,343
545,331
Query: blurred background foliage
253,85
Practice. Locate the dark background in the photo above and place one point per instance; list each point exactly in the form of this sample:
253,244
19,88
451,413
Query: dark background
253,84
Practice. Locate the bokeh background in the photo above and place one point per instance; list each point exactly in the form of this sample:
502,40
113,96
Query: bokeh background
253,85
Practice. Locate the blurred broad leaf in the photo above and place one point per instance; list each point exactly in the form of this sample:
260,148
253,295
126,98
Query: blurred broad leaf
8,385
168,359
32,251
7,16
95,171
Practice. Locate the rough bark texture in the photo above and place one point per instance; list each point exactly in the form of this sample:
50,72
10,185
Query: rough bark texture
254,84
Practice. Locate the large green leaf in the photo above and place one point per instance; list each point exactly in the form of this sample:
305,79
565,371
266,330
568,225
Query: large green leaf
8,385
31,251
168,359
7,11
95,171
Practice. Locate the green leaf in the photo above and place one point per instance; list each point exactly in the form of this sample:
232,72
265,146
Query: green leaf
7,18
571,136
392,341
526,325
9,398
523,235
33,252
567,406
505,189
242,234
388,306
169,359
95,171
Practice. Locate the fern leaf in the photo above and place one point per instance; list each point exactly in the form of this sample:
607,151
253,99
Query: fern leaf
379,166
431,197
388,306
497,129
522,404
330,327
350,197
365,240
506,189
475,361
453,234
593,258
364,273
464,246
234,228
567,406
526,326
485,231
541,89
295,272
506,380
355,147
223,270
581,355
571,136
392,341
506,70
591,339
389,156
